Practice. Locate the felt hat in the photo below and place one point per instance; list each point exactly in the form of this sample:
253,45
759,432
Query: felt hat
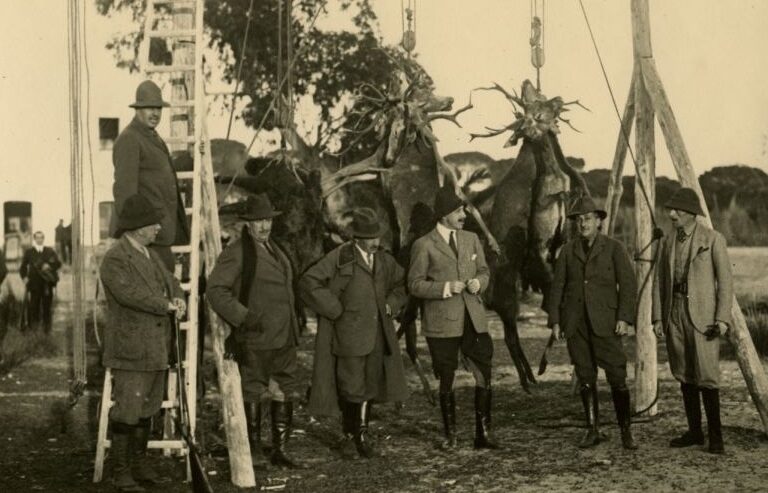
585,205
685,199
136,213
254,208
446,201
365,224
148,95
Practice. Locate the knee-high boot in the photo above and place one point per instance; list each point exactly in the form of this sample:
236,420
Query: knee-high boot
121,453
591,416
350,413
362,442
714,429
483,437
253,425
692,404
623,416
282,421
448,412
142,466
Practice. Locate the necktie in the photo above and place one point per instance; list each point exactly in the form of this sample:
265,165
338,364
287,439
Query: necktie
681,235
370,260
452,243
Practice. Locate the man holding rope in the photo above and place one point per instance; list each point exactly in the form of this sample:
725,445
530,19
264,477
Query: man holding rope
592,305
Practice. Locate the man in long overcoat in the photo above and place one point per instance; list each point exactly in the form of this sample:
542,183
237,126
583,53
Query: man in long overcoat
355,289
693,296
141,295
39,269
143,165
251,287
449,273
592,303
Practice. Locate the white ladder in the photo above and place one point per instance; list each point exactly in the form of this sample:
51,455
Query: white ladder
180,24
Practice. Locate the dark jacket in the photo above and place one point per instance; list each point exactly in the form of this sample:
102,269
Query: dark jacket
270,296
603,283
32,267
350,302
143,165
138,289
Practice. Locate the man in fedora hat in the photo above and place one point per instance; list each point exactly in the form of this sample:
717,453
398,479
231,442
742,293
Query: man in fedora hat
143,165
355,290
449,273
251,287
141,293
592,305
692,303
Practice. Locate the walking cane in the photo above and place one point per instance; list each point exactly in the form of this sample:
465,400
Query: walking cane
200,482
543,363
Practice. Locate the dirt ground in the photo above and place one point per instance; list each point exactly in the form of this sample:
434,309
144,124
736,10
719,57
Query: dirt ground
45,446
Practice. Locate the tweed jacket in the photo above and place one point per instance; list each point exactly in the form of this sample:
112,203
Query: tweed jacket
710,282
270,297
138,332
603,283
143,165
433,263
32,262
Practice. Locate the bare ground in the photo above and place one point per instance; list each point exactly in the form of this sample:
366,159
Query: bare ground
45,446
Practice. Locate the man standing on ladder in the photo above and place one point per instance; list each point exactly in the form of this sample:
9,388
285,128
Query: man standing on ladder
143,165
692,301
141,293
251,287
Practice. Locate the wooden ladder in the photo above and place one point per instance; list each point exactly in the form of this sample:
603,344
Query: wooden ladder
178,24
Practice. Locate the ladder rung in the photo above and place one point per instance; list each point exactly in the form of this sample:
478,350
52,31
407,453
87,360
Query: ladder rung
180,140
172,2
170,404
186,286
171,33
188,210
185,175
182,104
181,248
184,325
169,68
172,444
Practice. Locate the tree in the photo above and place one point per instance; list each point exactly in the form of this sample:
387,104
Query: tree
330,66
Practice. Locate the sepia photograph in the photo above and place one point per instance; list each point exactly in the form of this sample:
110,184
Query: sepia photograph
405,246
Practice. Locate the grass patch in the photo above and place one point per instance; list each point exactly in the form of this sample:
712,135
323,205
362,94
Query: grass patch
756,315
17,346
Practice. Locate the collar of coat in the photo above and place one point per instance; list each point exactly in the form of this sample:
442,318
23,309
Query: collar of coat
149,133
440,244
348,253
701,240
597,247
141,263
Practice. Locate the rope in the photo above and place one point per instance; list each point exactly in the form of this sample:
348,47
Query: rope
272,103
240,67
618,115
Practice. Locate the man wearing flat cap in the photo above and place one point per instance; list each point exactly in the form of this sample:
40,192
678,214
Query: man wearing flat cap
592,305
143,165
449,273
251,287
141,295
692,303
355,290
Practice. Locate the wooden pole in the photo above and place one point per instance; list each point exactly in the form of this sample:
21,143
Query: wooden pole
738,335
646,372
615,188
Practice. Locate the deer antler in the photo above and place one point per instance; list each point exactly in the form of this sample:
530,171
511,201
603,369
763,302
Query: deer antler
452,116
512,98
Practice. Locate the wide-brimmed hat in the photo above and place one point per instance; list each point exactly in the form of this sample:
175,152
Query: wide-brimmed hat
685,199
148,95
254,208
136,213
446,201
365,224
585,205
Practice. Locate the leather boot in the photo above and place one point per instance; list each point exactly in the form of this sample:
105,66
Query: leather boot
282,420
692,404
350,413
448,411
712,409
623,416
253,424
121,452
589,400
362,442
142,465
483,437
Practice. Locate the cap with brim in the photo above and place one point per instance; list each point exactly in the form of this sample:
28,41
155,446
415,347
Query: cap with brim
137,212
585,205
685,199
365,224
148,95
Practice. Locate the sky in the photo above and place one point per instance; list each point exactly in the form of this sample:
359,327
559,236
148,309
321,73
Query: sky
710,55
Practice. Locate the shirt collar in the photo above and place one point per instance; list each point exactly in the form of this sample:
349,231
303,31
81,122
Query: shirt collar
138,246
444,232
362,252
39,248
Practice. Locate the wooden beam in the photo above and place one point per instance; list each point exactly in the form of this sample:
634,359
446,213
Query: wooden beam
749,361
641,29
615,188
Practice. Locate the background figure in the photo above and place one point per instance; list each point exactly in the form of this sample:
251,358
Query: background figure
143,165
355,289
141,296
67,244
592,300
58,241
39,270
449,273
251,287
692,303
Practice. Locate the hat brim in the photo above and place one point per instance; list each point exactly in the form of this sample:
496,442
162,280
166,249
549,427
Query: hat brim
600,213
146,104
369,235
259,217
